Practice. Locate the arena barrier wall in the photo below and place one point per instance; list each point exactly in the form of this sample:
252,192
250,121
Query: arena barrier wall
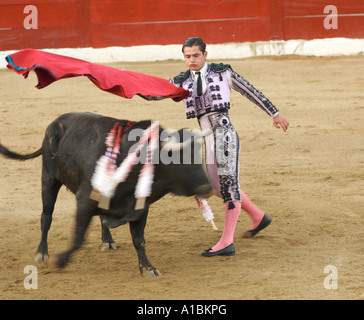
128,23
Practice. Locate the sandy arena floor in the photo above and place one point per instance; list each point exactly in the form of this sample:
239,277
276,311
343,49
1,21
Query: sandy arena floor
310,180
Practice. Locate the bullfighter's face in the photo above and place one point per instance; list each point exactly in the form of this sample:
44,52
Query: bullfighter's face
194,57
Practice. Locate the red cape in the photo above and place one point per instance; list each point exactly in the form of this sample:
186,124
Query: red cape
51,67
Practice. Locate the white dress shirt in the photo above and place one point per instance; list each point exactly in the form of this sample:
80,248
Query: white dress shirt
203,71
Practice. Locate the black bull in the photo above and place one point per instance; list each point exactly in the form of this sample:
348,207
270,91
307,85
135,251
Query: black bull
72,145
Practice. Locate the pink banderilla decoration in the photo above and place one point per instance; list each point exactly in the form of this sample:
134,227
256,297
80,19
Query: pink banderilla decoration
107,176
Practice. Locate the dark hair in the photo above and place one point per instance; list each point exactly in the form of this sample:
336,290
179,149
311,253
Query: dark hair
194,41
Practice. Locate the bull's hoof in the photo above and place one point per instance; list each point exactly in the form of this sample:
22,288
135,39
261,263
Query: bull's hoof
39,257
59,261
151,273
108,245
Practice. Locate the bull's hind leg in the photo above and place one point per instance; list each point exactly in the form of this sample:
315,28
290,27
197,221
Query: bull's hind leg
50,188
137,233
107,240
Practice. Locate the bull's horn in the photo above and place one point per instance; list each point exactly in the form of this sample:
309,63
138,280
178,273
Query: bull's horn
204,133
172,144
176,146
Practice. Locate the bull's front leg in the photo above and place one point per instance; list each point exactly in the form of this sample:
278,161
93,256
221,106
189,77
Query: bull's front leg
137,233
85,211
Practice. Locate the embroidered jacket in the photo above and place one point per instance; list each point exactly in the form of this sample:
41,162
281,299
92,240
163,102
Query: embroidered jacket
219,78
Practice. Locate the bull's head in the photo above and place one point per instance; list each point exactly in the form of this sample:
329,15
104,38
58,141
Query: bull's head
182,154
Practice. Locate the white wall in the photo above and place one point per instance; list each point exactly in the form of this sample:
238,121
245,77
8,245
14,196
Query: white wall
318,47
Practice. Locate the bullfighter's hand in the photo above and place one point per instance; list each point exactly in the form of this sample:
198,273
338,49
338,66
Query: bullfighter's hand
280,121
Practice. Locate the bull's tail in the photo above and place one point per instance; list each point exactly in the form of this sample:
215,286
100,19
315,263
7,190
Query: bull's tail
13,155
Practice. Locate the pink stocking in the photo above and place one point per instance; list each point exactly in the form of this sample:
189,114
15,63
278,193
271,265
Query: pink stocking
231,218
253,211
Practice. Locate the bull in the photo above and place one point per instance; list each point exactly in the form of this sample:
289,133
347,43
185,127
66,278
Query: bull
71,147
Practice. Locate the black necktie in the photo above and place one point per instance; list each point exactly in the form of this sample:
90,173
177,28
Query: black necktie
199,84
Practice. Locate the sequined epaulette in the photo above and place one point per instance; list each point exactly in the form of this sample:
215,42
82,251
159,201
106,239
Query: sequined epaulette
220,67
182,77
